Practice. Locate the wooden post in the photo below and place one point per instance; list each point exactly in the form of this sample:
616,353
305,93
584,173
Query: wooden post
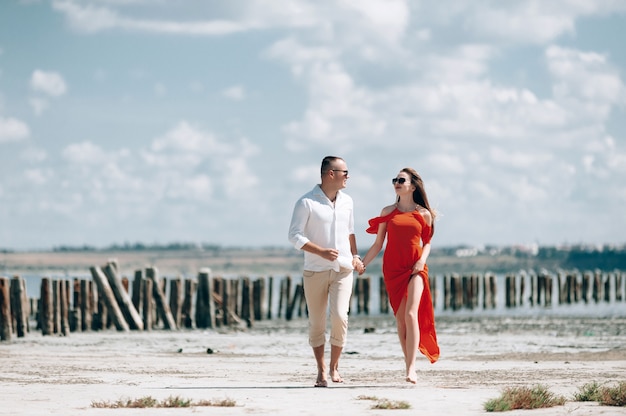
226,295
586,286
187,311
108,297
258,297
247,301
358,292
597,287
77,297
571,289
366,294
147,289
298,294
270,296
235,296
607,287
47,325
5,310
56,306
163,309
137,294
493,288
456,292
578,288
533,289
86,305
519,298
217,301
123,299
465,289
176,289
19,306
486,292
619,278
64,307
384,296
447,292
205,304
283,300
510,290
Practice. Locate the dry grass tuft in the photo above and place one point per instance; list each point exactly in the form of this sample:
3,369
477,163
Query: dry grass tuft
605,395
524,398
386,404
170,402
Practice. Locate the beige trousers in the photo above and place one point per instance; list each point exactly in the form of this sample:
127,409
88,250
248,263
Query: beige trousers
328,291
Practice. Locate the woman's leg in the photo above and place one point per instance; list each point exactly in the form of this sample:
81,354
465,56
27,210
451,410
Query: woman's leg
414,295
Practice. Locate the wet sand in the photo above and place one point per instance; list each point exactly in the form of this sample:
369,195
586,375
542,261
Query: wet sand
269,369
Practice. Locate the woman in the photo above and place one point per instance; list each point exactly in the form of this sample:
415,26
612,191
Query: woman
409,225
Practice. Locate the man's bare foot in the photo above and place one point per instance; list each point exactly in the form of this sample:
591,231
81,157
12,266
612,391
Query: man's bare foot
335,377
321,383
411,377
321,378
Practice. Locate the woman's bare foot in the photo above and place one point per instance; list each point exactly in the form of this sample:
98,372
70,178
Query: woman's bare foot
411,376
335,377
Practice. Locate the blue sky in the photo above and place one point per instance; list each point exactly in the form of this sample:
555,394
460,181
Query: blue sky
161,121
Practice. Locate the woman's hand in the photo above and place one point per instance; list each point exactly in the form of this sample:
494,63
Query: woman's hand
419,266
358,265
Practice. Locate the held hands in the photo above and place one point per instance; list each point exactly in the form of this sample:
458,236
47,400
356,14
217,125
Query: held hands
358,265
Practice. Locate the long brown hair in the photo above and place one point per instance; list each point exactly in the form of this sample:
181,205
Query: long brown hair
419,194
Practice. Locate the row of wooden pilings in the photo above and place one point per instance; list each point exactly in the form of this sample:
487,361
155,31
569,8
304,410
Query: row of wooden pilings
107,300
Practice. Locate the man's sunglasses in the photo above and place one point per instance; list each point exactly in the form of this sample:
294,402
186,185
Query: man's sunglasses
398,180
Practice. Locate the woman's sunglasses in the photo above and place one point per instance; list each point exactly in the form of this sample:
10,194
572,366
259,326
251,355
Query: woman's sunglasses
398,180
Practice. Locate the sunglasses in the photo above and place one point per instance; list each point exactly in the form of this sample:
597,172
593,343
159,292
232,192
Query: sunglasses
398,180
345,172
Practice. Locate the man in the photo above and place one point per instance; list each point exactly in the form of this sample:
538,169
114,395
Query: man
322,226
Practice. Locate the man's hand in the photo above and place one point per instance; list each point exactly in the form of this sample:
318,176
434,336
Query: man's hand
330,254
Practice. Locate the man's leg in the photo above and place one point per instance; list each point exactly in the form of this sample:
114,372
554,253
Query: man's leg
316,295
340,295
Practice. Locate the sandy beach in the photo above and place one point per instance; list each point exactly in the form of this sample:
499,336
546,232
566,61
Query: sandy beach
269,369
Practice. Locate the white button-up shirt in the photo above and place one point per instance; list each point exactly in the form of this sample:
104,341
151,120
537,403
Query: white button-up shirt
316,219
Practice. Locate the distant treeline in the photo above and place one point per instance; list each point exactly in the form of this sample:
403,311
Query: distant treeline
142,247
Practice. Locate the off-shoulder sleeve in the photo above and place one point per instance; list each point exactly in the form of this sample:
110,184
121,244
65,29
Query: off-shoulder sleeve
427,234
376,221
427,231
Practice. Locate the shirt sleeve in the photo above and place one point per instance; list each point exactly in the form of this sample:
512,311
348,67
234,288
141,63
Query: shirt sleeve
298,223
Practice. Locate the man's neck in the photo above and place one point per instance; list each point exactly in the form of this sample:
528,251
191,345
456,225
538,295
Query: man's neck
330,193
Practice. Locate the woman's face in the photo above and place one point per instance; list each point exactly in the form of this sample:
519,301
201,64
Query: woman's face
402,183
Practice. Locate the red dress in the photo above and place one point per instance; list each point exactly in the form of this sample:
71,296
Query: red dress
406,232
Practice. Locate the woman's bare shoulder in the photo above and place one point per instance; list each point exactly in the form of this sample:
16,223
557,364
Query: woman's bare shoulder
426,215
388,210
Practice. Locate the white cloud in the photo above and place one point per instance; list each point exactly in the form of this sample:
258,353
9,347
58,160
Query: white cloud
91,18
85,153
39,105
160,90
34,155
51,83
235,93
12,129
585,76
37,176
